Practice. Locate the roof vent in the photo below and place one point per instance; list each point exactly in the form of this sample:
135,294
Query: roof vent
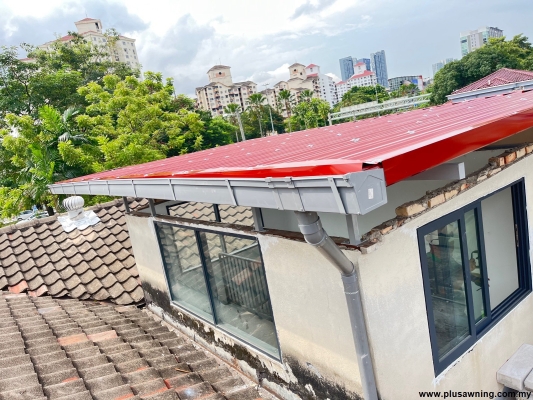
74,206
77,218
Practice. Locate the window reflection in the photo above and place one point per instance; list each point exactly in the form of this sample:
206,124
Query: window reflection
446,276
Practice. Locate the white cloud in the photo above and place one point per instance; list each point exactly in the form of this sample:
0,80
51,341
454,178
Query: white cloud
258,39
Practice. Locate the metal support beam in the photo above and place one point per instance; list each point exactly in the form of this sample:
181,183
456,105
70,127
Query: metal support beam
354,234
374,107
444,172
126,204
217,213
152,207
258,219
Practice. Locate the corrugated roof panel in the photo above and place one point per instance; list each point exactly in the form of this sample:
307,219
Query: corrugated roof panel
402,144
501,77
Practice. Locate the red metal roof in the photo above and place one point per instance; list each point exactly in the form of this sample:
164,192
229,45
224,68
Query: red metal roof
402,144
311,66
501,77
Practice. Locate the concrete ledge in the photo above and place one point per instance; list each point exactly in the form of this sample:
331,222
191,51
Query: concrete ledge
517,369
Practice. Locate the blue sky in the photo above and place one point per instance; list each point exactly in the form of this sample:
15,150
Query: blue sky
259,39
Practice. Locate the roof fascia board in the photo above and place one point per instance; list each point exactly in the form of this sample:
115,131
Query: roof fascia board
354,193
407,164
493,91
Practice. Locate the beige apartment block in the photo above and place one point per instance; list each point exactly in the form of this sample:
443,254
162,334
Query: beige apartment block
303,78
221,91
91,29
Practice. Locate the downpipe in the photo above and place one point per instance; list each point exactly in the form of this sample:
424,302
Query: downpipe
311,227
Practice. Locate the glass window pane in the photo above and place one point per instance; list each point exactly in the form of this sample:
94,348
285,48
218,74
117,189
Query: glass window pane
183,267
476,272
446,276
500,246
240,294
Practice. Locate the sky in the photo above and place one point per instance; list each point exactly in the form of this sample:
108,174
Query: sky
260,39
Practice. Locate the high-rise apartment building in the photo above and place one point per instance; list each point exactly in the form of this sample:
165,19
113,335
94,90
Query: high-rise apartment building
472,40
346,65
439,65
378,64
222,91
91,29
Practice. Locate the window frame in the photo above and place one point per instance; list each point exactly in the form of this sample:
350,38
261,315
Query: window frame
213,323
492,317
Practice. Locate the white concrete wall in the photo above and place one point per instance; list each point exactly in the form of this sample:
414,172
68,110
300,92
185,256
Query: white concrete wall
311,317
395,307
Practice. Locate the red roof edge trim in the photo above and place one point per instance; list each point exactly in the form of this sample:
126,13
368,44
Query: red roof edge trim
299,169
418,160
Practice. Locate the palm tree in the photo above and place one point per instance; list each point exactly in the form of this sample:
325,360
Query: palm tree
58,125
306,95
255,104
233,111
287,100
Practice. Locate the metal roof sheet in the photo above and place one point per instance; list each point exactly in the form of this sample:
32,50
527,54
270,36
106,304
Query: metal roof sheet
500,77
402,144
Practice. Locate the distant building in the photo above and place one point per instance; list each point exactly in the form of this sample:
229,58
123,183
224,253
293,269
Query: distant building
221,91
472,40
366,61
365,78
378,64
346,65
91,29
395,83
303,78
439,65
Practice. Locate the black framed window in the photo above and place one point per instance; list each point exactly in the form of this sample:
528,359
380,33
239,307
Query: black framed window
220,277
475,268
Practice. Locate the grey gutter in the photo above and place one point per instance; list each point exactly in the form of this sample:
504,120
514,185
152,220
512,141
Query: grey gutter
315,235
491,91
353,193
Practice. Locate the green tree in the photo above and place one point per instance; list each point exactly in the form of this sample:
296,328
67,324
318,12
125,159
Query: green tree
516,53
255,105
404,90
360,95
52,77
33,149
286,102
306,95
136,121
232,110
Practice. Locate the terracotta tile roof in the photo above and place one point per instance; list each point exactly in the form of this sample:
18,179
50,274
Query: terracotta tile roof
70,349
39,257
236,215
501,77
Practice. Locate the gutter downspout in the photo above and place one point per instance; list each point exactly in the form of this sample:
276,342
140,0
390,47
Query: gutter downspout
311,227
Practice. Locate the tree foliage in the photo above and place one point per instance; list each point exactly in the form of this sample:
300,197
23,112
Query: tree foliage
516,53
